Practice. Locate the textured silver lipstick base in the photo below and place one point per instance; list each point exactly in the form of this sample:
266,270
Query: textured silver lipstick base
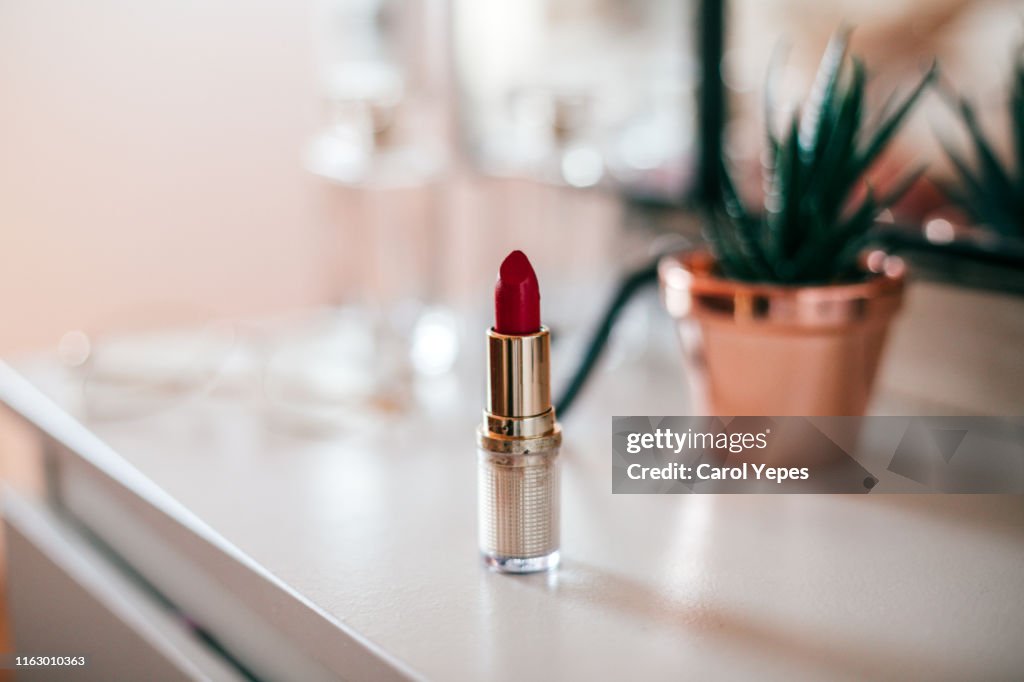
518,500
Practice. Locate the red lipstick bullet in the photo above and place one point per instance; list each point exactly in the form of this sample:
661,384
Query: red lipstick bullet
516,297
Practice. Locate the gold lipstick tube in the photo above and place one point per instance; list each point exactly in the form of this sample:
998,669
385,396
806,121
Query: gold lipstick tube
518,444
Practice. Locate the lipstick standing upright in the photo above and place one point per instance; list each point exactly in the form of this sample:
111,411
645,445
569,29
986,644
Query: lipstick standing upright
519,439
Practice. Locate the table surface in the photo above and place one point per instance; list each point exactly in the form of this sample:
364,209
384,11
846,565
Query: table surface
375,526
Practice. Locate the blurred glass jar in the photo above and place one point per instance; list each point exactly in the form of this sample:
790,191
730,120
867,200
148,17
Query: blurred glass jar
572,92
381,147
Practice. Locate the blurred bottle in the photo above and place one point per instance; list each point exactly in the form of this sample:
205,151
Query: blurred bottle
380,149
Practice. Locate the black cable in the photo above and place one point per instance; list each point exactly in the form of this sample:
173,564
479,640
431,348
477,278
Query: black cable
711,100
631,284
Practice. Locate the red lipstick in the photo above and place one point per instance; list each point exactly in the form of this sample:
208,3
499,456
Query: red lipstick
519,439
516,297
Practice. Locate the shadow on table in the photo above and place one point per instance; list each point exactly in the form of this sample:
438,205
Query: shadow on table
815,650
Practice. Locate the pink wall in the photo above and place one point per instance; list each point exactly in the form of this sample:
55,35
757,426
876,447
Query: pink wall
150,164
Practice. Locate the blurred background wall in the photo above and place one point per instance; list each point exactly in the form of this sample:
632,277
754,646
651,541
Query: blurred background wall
150,164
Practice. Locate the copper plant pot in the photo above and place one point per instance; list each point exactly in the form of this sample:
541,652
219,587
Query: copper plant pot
764,349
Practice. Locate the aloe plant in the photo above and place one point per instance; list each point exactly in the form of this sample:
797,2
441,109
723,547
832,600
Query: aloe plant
992,193
814,224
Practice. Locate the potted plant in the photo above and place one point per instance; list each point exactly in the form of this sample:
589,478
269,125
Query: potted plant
784,315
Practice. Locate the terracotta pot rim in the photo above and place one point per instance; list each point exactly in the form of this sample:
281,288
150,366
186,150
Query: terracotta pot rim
690,287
